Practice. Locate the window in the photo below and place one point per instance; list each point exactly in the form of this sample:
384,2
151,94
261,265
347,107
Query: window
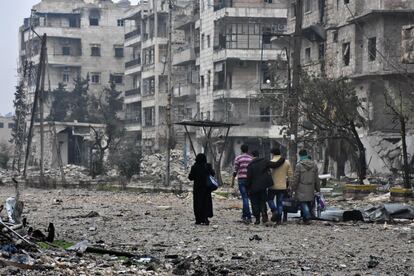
66,51
120,23
96,78
372,49
148,55
335,36
208,115
149,118
66,75
265,114
93,21
119,51
94,16
308,5
1,125
268,1
117,78
96,50
346,53
321,51
346,2
202,41
307,55
202,81
208,41
11,125
208,78
247,36
293,10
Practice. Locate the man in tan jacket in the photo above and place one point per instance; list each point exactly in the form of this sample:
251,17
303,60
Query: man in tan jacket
281,177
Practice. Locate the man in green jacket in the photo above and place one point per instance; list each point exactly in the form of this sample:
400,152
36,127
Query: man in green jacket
305,184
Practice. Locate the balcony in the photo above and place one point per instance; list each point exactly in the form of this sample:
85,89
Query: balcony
133,121
184,57
257,12
66,32
133,67
132,38
133,117
133,92
247,54
132,63
60,60
187,90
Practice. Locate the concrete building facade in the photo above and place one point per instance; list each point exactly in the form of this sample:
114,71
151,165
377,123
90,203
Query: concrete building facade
231,64
146,72
84,37
362,40
218,62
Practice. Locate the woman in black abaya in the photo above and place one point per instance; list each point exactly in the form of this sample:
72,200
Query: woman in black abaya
202,202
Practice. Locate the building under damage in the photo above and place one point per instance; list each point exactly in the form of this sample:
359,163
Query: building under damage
219,59
362,40
84,38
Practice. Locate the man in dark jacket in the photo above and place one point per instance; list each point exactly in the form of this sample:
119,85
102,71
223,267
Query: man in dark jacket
258,180
305,184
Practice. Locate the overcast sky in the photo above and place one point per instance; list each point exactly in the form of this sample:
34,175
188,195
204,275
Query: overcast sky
12,13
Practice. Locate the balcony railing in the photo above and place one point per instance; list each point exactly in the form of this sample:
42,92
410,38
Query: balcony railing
134,117
132,34
133,92
133,63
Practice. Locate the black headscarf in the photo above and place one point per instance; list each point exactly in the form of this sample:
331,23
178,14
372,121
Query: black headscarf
201,158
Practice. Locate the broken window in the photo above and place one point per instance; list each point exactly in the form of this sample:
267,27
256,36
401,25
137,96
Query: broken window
308,5
119,51
202,81
321,51
94,16
66,51
96,50
120,23
116,78
335,36
308,55
346,2
149,116
346,53
372,48
95,78
11,125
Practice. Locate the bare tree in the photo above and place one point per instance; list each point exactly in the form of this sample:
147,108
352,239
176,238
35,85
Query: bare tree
334,108
401,107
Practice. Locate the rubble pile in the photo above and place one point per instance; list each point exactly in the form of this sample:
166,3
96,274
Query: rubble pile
153,166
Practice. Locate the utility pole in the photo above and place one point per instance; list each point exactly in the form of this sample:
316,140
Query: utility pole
40,72
169,96
41,114
294,96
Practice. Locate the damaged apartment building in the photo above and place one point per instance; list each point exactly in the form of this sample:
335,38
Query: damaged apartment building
362,40
146,71
219,58
84,38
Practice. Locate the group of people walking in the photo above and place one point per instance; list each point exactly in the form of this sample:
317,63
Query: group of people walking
262,183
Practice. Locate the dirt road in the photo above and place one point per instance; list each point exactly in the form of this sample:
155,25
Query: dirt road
161,226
